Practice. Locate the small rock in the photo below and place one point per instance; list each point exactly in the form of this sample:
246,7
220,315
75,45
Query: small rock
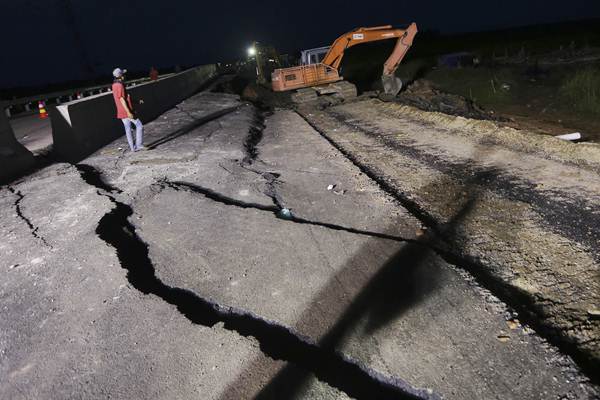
594,313
527,331
513,324
285,213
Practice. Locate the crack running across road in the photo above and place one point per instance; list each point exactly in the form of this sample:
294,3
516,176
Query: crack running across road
32,228
276,341
277,210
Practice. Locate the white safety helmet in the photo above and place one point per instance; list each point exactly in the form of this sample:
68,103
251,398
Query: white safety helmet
118,72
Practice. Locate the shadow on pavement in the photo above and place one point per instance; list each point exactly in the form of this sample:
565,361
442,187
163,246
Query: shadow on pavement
402,282
190,127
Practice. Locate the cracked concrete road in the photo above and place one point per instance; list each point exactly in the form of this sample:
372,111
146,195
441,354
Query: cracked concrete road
173,273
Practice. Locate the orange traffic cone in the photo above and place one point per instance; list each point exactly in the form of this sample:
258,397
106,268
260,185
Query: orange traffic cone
42,107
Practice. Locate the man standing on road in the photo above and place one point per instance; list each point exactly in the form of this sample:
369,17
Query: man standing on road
125,111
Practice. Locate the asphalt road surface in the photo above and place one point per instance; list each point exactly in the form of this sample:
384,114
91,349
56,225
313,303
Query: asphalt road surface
32,131
245,255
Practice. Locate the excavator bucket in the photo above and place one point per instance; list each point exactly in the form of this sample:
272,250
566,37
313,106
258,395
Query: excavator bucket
391,84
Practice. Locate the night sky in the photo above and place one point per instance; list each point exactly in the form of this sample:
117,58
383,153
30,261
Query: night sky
42,40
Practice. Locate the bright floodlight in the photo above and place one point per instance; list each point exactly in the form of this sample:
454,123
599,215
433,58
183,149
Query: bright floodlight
251,51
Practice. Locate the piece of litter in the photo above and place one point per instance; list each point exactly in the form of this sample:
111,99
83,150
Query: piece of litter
569,136
330,187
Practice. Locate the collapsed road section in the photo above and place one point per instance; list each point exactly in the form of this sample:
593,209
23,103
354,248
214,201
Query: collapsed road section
245,257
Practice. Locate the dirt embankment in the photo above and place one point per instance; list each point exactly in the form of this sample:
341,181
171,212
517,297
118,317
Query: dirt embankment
423,95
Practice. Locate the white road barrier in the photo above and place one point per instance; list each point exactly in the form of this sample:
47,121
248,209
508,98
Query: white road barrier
81,127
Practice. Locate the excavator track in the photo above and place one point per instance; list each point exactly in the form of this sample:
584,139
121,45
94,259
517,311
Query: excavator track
343,90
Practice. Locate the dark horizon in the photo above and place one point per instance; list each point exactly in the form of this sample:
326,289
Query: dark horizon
66,41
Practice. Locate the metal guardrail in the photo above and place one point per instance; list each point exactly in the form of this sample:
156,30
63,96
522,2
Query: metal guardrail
28,105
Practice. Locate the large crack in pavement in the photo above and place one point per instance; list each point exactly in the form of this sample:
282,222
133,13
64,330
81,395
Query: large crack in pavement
277,209
91,176
529,308
255,134
276,341
32,228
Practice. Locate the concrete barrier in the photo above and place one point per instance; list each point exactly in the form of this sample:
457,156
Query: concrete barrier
81,127
15,159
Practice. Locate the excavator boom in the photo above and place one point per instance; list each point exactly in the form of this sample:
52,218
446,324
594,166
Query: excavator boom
366,35
328,70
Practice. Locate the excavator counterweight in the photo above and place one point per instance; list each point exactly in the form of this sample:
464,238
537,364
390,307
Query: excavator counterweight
327,72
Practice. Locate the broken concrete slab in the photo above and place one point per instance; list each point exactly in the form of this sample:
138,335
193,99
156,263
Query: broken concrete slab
72,324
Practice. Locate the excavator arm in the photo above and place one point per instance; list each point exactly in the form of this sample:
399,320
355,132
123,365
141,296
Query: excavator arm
405,37
333,58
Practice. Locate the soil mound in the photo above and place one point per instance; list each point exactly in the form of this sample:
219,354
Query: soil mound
421,94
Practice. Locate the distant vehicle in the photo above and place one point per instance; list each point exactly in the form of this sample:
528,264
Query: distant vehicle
321,78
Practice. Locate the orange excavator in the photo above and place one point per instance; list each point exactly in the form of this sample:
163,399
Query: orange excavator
313,80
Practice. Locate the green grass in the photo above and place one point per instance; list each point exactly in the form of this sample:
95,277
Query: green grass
482,85
582,89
